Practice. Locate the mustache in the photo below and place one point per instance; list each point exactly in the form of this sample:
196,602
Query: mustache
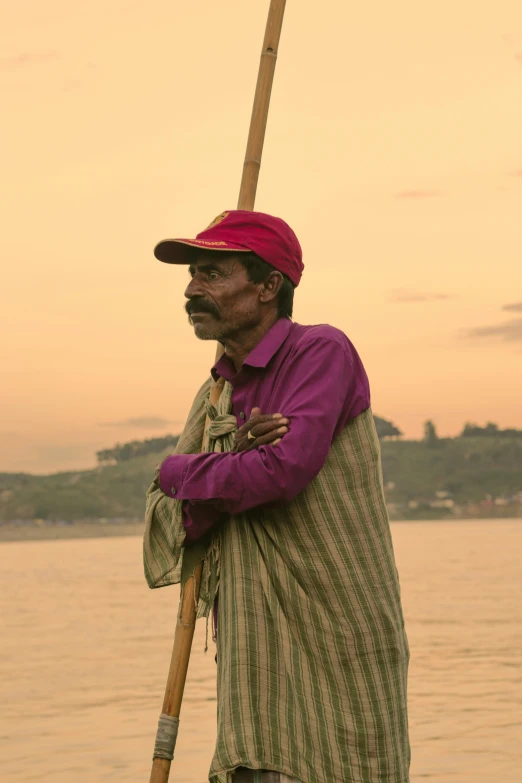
200,305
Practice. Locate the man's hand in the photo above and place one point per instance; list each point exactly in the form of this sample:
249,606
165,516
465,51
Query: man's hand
265,430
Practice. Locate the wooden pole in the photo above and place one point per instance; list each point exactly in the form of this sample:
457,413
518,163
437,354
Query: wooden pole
265,78
247,194
179,661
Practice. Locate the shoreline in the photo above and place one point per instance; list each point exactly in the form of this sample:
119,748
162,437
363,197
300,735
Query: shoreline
49,531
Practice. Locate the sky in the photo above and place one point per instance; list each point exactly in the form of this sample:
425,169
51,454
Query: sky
393,149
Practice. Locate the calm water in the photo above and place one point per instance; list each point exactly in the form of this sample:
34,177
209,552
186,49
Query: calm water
85,647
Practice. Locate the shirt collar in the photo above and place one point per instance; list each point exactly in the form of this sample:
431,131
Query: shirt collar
260,355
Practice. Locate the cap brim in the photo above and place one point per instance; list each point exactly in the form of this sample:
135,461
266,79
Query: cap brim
181,251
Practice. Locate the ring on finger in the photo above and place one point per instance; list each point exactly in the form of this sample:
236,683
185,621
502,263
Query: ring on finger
251,435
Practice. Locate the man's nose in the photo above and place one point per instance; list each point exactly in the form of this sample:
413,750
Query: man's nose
193,289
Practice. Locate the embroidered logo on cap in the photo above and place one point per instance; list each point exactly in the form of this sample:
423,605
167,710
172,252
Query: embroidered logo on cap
206,242
217,220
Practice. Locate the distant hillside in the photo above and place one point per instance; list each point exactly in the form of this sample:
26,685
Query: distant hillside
109,491
465,476
475,473
136,448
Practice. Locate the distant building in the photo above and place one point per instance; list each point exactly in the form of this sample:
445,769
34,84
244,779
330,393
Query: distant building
442,503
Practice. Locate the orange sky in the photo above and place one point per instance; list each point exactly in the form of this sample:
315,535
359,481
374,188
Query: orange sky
394,150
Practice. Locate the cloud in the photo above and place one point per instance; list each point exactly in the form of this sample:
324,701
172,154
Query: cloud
402,295
141,422
417,195
510,332
26,59
516,307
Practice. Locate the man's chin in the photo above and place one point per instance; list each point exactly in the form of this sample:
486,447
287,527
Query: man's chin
203,334
202,324
205,331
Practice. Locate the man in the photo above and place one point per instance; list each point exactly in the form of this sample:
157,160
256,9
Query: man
312,653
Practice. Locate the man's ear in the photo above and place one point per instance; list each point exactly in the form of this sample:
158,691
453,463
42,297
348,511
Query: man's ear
271,287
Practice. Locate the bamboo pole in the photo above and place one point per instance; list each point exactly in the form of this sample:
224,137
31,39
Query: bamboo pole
167,730
265,78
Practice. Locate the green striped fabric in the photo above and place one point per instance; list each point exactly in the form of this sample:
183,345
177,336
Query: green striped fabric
312,652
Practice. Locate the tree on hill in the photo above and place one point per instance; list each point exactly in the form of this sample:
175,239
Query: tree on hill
430,433
491,430
135,448
386,429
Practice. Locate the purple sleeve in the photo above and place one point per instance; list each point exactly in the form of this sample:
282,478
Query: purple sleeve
320,384
198,518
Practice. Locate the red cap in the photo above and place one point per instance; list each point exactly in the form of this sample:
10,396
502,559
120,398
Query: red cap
239,231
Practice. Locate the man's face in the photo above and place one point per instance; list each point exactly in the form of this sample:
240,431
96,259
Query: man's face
222,301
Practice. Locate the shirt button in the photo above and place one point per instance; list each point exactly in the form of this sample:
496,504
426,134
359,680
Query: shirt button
242,415
173,490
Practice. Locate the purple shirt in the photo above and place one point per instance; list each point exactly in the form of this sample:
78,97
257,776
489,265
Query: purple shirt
315,378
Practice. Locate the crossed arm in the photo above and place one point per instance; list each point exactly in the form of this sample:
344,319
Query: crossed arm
314,402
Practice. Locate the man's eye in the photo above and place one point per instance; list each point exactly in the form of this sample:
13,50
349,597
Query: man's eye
213,275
